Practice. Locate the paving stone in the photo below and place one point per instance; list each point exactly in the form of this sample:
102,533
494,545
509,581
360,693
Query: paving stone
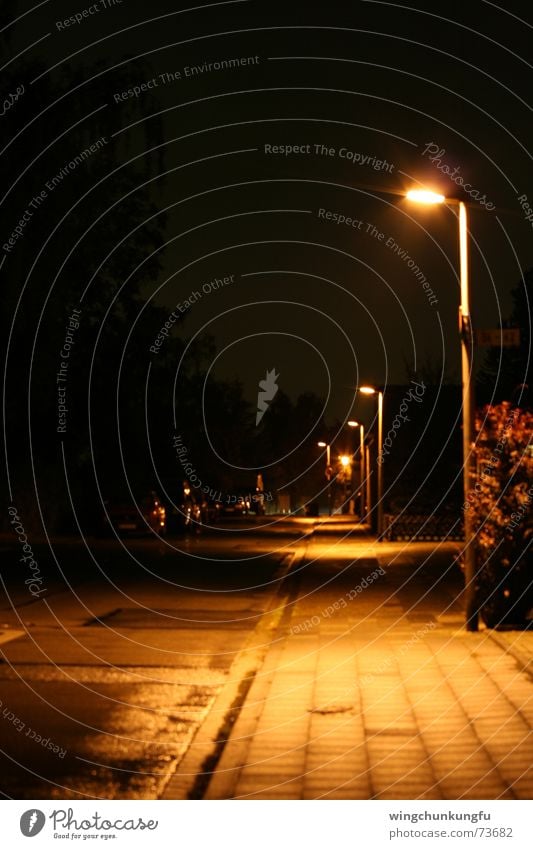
369,705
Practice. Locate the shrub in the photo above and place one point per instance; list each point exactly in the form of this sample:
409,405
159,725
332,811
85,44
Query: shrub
501,499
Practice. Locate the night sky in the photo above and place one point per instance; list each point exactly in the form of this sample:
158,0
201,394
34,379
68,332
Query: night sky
329,113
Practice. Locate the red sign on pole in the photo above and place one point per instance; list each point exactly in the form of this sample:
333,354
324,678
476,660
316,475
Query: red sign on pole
507,337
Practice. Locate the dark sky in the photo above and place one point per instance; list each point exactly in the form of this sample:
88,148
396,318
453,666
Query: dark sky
373,84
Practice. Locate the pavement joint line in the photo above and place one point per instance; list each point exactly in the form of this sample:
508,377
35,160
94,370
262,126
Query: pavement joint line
207,746
524,667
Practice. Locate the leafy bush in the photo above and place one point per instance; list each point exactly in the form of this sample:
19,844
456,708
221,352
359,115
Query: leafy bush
501,499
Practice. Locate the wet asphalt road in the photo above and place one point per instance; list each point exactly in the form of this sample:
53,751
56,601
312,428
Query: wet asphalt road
106,675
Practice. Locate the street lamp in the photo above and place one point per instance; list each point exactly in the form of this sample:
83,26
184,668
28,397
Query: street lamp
425,196
371,390
346,463
327,446
361,427
428,197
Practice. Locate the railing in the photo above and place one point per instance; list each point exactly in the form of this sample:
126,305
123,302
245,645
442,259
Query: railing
420,527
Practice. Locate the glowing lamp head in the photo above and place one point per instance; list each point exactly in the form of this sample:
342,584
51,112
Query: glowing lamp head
353,423
424,196
345,461
322,444
367,390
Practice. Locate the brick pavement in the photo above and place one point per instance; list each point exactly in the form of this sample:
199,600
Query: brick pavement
386,697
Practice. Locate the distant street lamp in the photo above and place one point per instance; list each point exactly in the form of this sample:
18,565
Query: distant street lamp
327,446
428,197
371,390
361,427
346,463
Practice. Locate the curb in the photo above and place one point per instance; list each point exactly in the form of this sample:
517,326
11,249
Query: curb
196,768
224,779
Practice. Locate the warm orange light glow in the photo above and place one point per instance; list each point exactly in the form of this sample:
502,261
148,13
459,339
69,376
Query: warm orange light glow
322,444
463,255
425,196
352,423
345,461
367,390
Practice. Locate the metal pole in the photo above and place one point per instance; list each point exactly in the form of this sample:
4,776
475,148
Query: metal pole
328,464
468,424
380,465
368,485
348,470
362,469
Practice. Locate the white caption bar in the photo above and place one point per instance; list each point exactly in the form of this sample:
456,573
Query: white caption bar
264,824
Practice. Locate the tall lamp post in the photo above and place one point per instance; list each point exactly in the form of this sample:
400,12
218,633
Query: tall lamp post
371,390
327,446
346,463
428,197
361,427
368,481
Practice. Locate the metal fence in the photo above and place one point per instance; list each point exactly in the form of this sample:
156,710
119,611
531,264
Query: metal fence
419,527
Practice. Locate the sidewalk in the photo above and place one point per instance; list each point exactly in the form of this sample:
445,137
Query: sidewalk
378,692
